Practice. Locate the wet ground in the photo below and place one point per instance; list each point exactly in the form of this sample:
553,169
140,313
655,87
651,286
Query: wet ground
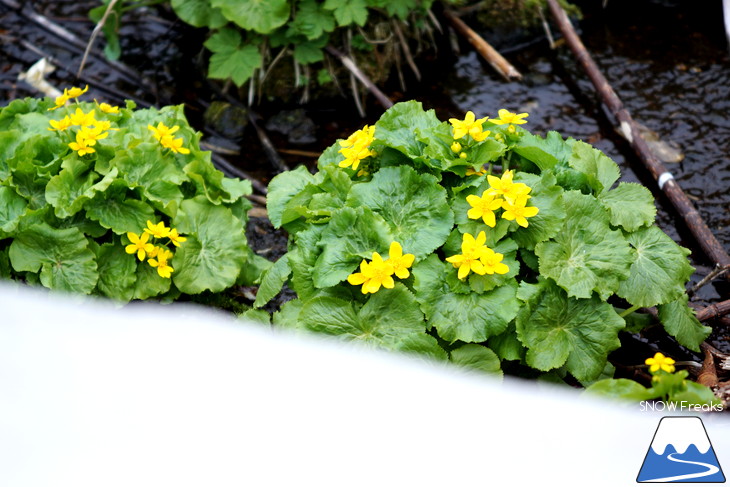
668,61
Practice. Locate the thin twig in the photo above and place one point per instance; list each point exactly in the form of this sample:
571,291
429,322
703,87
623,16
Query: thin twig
303,153
631,132
716,272
713,311
495,59
95,33
356,95
350,64
232,171
269,149
546,27
406,50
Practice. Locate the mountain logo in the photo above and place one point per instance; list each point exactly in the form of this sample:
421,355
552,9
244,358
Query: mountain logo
681,452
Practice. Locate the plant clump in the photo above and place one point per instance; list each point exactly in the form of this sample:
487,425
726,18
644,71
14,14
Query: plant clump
503,247
114,201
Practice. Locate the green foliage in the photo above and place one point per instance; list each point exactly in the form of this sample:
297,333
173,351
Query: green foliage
547,308
241,30
66,219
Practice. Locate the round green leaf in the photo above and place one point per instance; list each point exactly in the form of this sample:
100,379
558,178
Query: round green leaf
477,357
215,250
117,276
586,255
660,271
261,16
630,206
560,330
63,257
12,207
414,206
467,317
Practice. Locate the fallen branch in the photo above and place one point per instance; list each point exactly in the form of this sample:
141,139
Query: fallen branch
489,54
269,149
713,311
716,272
630,130
350,65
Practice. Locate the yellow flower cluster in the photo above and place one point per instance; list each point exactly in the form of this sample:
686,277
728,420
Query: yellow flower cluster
380,272
159,256
477,257
472,127
357,147
469,126
164,135
91,130
502,194
660,362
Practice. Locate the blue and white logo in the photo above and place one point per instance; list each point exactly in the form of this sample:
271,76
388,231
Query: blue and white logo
681,452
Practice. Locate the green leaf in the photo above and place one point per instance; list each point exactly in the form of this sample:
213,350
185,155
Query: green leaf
680,321
288,315
62,256
310,52
544,153
282,188
390,319
398,125
230,59
695,393
311,20
620,389
600,169
660,271
199,13
149,283
256,316
73,186
348,11
468,317
586,255
272,281
28,184
145,164
506,345
262,16
559,330
630,206
477,357
117,277
364,232
215,250
413,205
122,214
208,180
548,198
12,207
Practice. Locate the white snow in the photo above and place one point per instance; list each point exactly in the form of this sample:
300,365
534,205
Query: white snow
680,432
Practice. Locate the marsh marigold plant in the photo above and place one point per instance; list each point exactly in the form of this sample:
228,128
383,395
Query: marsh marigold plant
502,246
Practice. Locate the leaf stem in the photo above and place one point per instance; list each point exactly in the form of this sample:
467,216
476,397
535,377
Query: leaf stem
629,311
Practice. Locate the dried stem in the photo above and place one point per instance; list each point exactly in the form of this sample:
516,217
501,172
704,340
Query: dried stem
716,272
95,33
490,54
406,50
350,65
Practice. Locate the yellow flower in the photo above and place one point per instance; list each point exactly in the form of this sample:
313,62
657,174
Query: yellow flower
506,188
175,145
62,124
357,147
470,258
175,239
463,155
492,262
162,131
456,147
470,125
107,108
83,119
400,262
92,134
479,135
157,230
659,361
77,92
61,100
82,145
139,245
104,125
160,261
484,207
372,275
505,117
518,211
